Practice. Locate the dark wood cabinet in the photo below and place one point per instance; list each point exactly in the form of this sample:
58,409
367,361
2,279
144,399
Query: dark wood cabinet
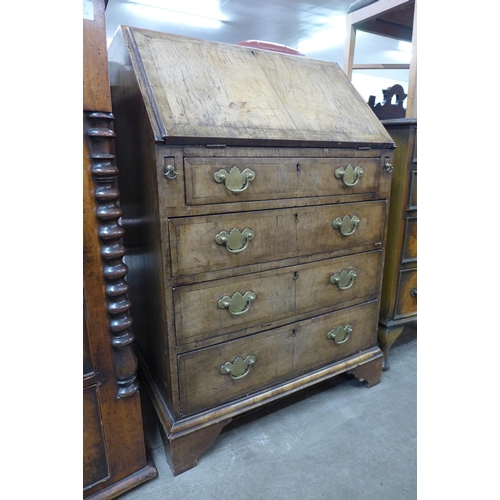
254,188
114,455
399,293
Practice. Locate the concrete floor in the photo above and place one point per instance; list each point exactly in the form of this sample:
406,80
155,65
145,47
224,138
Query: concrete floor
338,440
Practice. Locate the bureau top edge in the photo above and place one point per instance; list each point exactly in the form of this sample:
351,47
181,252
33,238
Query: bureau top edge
222,142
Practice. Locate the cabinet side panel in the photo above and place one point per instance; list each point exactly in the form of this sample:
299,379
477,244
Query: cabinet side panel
95,465
95,65
395,230
135,153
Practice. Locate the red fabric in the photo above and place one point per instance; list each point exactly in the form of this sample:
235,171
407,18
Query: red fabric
275,47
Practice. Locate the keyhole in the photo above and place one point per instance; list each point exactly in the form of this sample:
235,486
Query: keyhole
298,168
296,217
295,275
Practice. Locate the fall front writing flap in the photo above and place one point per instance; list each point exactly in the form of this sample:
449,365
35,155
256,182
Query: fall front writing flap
196,91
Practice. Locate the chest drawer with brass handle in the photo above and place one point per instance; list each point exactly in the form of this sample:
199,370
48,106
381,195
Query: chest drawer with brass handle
197,245
231,180
202,310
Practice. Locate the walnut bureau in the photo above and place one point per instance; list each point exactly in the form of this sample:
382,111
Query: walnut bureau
255,188
398,304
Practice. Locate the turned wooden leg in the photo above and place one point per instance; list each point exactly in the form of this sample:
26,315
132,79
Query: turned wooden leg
183,450
369,373
386,337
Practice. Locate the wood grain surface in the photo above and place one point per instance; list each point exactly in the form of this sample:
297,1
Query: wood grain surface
278,234
208,90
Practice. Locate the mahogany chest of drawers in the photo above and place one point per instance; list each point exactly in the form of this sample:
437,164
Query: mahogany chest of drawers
399,290
254,187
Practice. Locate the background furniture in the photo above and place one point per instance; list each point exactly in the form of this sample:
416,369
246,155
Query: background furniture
254,187
390,18
395,19
114,456
398,305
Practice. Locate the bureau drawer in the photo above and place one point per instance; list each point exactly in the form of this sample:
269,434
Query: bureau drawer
406,299
251,302
272,357
230,180
200,244
409,253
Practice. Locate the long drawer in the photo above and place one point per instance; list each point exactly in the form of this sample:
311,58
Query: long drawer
229,180
211,309
227,371
208,243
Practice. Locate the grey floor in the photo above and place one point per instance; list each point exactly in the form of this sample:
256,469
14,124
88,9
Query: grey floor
338,440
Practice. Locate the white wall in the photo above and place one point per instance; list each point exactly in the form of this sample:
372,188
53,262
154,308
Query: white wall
368,84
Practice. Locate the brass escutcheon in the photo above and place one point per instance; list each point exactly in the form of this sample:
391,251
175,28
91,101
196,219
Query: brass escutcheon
239,368
235,241
344,280
350,175
235,181
347,225
237,304
340,334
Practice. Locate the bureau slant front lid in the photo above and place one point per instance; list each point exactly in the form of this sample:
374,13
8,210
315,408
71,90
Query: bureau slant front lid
199,92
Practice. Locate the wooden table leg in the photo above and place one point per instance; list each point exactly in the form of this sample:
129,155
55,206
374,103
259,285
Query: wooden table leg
386,337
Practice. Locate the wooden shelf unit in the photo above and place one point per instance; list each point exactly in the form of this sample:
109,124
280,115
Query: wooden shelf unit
390,18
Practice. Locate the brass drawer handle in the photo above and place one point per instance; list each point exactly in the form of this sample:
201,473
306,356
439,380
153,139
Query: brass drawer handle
170,172
344,280
235,181
235,241
239,368
350,175
347,225
237,304
413,292
340,334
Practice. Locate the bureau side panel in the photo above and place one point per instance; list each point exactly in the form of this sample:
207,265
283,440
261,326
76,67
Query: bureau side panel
135,153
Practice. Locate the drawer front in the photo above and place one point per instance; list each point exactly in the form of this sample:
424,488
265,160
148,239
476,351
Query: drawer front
412,197
409,253
230,180
252,302
414,156
273,357
200,244
406,299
